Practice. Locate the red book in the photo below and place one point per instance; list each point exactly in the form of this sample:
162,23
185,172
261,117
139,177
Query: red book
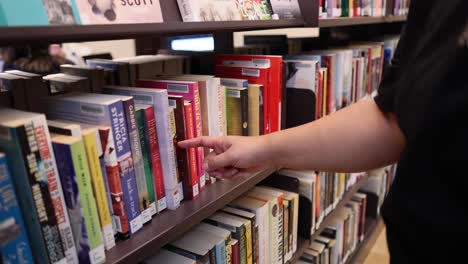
235,251
191,183
328,62
318,104
156,166
189,91
273,84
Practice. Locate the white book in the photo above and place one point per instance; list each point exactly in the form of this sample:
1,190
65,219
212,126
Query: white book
209,10
221,232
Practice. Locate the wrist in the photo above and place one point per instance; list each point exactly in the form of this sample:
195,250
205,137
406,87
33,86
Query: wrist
268,151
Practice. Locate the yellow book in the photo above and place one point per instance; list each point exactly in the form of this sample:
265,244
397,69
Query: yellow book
89,138
325,93
254,94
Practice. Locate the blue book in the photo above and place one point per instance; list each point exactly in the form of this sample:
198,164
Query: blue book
106,110
14,247
37,12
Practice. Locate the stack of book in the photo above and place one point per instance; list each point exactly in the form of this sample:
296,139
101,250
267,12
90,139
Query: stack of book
360,8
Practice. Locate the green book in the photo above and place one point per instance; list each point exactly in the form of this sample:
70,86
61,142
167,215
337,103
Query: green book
140,118
345,8
74,173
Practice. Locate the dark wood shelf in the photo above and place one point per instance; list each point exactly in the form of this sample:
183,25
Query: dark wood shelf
302,245
171,224
172,25
346,198
373,229
354,21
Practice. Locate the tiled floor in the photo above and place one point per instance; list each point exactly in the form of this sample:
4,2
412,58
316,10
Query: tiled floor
379,252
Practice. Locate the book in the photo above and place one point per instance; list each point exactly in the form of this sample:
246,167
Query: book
35,89
174,140
6,99
16,86
189,91
123,12
152,142
15,247
237,229
81,204
120,70
37,13
254,226
255,96
95,157
219,243
276,215
287,254
140,114
192,246
286,9
95,76
166,256
301,92
237,108
221,232
60,83
260,208
135,147
18,142
158,98
143,67
209,10
106,110
235,251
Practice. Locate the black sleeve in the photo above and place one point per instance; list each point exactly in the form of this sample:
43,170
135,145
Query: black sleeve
386,92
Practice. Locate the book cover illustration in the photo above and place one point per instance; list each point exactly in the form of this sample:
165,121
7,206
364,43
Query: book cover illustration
286,9
119,12
208,10
37,13
59,12
254,9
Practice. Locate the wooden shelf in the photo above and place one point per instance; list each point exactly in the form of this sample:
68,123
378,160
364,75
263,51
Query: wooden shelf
344,22
373,229
171,224
172,25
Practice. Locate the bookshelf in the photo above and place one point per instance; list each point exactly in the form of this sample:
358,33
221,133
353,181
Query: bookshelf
355,21
373,229
171,224
302,243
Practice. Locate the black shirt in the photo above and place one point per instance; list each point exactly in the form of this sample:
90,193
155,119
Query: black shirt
426,211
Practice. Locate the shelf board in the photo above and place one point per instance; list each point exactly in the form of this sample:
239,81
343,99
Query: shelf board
354,21
302,244
373,229
346,198
169,225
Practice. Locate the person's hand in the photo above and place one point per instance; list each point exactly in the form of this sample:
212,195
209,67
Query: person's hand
232,155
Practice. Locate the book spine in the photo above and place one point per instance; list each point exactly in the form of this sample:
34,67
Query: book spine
245,112
120,221
17,246
174,140
135,147
286,230
222,109
249,242
221,252
42,198
235,252
140,117
23,168
99,189
192,181
125,161
197,120
55,188
242,244
88,203
280,234
152,142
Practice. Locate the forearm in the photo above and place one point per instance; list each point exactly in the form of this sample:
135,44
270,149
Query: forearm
357,138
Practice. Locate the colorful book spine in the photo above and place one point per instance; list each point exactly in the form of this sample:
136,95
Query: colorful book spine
156,162
99,189
191,182
174,139
14,142
140,117
189,91
15,248
49,169
42,197
135,146
74,174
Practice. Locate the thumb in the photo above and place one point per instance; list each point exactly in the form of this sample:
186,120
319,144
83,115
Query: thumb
216,162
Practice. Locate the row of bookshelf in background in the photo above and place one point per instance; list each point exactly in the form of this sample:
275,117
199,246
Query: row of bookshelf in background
262,226
362,8
106,162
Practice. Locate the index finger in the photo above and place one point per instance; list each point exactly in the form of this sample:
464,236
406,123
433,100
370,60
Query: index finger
207,142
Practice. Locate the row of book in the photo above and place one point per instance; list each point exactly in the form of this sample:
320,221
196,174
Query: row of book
348,227
57,12
362,8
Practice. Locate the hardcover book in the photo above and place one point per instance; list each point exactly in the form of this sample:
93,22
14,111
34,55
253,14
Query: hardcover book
237,111
119,12
35,88
95,76
15,248
106,110
120,70
81,204
192,179
174,140
221,232
158,98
